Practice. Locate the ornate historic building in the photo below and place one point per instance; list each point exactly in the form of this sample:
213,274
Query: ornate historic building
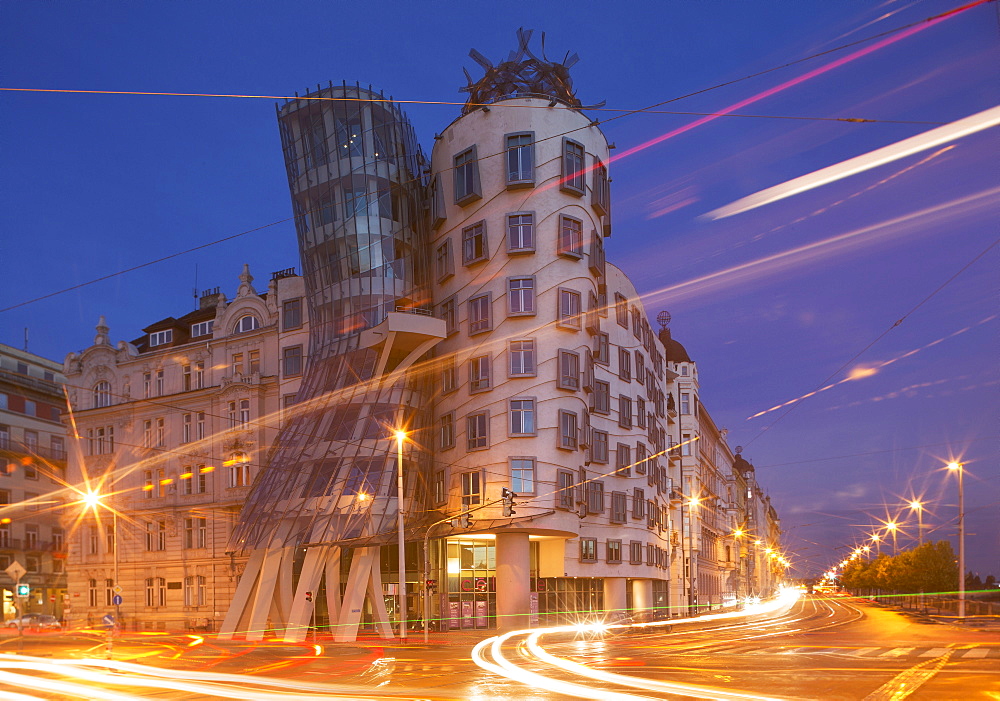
171,429
32,471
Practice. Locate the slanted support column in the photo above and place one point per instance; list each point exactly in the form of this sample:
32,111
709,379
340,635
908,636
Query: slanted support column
642,598
513,581
615,599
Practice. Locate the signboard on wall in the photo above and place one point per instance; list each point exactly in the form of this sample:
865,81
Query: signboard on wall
533,609
467,620
455,621
481,621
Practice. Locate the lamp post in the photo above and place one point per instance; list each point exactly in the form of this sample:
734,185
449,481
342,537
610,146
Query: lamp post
692,502
893,526
957,466
92,500
400,437
919,508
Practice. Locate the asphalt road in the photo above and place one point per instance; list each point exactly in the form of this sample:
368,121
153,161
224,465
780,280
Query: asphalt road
816,648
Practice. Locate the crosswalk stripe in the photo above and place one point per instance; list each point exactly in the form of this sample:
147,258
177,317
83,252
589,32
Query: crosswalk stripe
864,650
974,653
897,652
934,652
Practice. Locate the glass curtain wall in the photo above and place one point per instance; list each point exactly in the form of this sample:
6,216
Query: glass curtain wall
355,173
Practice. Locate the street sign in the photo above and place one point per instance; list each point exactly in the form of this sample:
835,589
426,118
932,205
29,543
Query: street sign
117,599
108,620
23,589
116,589
15,570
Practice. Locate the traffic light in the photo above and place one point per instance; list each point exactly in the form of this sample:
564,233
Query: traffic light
309,596
23,589
508,502
463,520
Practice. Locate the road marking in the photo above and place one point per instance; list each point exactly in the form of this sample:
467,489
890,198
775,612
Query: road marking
864,650
976,652
897,652
908,681
934,652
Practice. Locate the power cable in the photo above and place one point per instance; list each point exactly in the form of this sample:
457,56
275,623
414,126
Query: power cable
625,113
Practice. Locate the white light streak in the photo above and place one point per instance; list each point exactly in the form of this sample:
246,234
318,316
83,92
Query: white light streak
887,154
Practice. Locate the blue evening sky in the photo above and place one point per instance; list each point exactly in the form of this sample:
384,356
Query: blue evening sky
94,184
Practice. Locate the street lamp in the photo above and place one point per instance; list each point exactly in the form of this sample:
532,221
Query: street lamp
692,502
919,508
92,500
400,437
892,526
957,466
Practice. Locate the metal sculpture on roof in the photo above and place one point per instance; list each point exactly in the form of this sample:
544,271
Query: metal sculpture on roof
523,74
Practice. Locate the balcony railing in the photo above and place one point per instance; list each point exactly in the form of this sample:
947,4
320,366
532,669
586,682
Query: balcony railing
22,448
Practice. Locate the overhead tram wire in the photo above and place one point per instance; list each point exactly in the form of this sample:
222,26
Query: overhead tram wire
625,113
878,338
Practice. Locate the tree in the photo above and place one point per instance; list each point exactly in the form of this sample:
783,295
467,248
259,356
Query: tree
936,568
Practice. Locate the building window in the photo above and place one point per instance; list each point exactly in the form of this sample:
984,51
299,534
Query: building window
568,430
599,446
156,592
650,554
520,296
638,504
253,362
291,314
447,313
621,310
449,375
614,552
623,460
195,530
601,193
522,475
239,413
565,486
602,349
474,244
198,381
520,160
471,488
595,497
291,361
685,402
572,167
624,411
58,539
102,394
640,368
161,433
444,261
640,412
522,358
521,232
147,385
147,484
237,364
601,399
92,593
569,370
202,328
619,507
446,430
438,211
200,426
186,428
246,323
624,365
522,417
160,338
467,187
479,373
477,431
570,237
439,487
569,308
239,470
588,549
479,314
194,590
686,444
159,383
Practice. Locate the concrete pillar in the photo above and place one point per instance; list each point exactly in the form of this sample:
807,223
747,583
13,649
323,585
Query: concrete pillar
615,599
513,581
642,598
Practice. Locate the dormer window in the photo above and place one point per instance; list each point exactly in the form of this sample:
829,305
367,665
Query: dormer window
202,328
160,338
246,323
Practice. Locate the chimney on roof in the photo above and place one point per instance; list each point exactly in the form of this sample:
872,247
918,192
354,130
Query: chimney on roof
209,299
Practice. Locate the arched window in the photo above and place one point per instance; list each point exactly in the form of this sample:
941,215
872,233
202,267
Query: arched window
239,469
246,323
102,394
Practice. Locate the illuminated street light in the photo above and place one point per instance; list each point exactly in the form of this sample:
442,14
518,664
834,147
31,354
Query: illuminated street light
400,438
919,508
692,502
957,466
892,526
